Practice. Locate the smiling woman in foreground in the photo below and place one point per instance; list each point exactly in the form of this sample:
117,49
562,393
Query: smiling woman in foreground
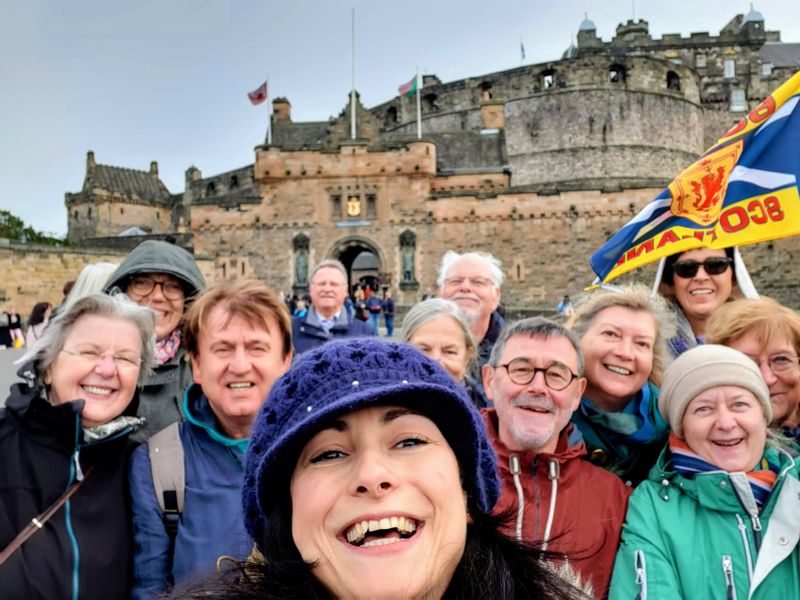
369,475
719,517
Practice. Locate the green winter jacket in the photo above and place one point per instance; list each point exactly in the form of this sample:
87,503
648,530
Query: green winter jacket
161,395
691,538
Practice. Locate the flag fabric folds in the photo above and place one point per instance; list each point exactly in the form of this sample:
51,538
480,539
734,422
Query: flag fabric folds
409,88
258,95
743,190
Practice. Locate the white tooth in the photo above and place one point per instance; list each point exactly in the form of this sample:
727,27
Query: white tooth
411,526
395,522
97,390
381,542
373,525
385,523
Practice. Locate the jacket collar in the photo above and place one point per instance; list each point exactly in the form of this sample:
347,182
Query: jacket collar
199,413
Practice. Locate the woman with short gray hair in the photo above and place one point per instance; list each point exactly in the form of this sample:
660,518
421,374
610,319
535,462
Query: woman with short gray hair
439,329
64,521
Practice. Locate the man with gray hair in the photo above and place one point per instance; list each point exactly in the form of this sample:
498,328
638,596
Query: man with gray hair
326,319
472,280
535,379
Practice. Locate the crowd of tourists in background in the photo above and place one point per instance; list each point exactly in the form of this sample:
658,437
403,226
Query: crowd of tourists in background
233,441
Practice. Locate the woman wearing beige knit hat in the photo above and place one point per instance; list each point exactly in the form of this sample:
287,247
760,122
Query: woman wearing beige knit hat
719,516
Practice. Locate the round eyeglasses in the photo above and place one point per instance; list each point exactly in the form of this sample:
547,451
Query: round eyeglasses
521,371
93,357
142,286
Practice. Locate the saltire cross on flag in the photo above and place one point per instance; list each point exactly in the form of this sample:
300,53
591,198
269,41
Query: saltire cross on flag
743,190
409,88
258,95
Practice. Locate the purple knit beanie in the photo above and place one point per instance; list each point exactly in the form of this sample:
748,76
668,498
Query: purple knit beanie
345,375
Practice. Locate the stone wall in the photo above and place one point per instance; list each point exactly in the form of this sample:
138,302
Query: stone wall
105,215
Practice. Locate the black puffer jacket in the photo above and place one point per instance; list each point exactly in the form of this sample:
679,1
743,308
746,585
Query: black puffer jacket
83,551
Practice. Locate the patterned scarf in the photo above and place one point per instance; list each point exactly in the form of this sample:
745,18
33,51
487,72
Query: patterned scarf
687,463
684,338
167,348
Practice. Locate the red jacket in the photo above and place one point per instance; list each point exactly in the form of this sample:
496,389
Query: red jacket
588,504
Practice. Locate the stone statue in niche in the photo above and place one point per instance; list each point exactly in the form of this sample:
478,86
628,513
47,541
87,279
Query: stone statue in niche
301,268
408,263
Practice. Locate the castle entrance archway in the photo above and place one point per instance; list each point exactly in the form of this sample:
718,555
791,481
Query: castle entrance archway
363,261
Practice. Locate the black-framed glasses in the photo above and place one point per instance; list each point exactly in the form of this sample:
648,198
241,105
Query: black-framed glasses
142,286
713,265
521,371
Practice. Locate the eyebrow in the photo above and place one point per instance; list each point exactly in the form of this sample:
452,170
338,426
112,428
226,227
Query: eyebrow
388,417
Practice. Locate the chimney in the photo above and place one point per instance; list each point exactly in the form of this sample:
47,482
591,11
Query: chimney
90,164
492,114
281,110
154,167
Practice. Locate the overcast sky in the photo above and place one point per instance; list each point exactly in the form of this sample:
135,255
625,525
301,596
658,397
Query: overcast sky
166,80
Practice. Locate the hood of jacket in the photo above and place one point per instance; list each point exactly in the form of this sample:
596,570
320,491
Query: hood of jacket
154,256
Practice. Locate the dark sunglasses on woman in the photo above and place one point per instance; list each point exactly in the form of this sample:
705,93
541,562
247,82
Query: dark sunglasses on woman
713,265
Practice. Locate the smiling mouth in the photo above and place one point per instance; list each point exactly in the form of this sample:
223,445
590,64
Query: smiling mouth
701,292
240,385
97,390
618,370
728,443
381,532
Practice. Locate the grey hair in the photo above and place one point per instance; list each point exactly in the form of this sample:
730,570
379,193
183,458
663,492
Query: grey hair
329,263
431,309
535,327
635,297
91,280
493,264
48,347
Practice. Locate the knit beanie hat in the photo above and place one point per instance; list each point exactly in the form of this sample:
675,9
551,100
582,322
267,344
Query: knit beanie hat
342,376
701,369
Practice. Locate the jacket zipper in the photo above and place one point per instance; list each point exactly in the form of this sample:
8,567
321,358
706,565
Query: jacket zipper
553,471
75,472
727,570
640,567
513,466
748,555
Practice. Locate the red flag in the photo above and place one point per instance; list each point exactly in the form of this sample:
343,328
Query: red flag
258,95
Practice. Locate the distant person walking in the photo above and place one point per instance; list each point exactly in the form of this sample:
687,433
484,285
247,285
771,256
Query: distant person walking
40,315
565,308
374,307
388,313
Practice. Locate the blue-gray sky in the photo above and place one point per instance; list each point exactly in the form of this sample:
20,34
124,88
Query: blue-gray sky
166,80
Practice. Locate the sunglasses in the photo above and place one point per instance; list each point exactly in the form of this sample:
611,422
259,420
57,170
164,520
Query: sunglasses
714,265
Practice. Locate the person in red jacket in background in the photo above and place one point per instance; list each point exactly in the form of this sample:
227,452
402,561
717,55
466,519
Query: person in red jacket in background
569,506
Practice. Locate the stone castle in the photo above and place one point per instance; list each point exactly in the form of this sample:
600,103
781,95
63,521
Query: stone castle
538,165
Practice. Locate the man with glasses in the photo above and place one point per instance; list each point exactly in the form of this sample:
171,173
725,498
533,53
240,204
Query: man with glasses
472,280
327,318
535,379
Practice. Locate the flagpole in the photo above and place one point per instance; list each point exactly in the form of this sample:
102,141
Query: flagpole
419,107
269,117
353,76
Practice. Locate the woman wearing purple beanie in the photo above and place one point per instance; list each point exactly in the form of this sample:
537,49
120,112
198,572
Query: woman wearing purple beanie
369,475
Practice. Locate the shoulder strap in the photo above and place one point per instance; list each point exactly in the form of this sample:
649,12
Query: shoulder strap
169,474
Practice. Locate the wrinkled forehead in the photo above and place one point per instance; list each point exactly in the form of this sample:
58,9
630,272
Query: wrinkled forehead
470,266
542,351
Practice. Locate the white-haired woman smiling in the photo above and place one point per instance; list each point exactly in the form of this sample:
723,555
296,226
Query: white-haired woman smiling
719,517
64,522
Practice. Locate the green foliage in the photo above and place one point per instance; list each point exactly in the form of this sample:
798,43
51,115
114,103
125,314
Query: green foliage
14,229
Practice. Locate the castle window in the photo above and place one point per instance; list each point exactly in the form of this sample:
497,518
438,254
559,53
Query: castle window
158,214
673,81
371,206
234,183
486,91
730,68
121,211
336,207
75,215
548,79
429,102
616,74
766,69
89,212
211,189
738,101
700,60
391,115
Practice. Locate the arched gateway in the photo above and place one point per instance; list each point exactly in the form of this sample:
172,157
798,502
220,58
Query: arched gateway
363,260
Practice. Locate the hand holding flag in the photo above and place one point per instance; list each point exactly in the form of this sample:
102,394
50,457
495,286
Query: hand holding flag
258,95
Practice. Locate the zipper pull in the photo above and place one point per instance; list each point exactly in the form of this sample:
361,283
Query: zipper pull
553,469
727,569
513,464
756,523
78,471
